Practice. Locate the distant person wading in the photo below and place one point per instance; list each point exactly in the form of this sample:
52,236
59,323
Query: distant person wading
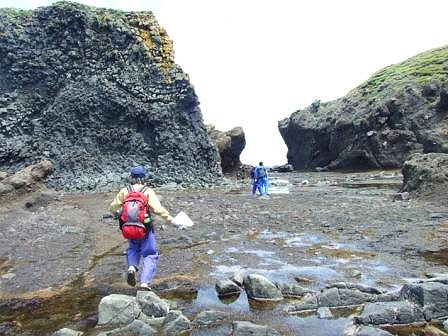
133,206
260,180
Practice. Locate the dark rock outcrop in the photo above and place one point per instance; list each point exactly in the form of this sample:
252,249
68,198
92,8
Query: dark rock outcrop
426,175
431,296
230,144
96,91
399,111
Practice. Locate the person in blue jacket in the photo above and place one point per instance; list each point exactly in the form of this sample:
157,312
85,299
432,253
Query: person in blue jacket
261,179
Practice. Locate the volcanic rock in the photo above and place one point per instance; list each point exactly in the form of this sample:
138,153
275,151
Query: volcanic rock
400,110
426,175
230,144
97,91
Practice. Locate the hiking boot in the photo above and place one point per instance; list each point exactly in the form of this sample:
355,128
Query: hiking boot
144,286
131,276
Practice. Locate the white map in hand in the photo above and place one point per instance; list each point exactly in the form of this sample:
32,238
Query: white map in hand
182,221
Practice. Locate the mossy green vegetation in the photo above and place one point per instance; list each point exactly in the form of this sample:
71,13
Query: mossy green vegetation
13,16
421,69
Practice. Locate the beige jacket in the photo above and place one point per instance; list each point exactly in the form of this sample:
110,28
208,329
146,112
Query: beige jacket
153,202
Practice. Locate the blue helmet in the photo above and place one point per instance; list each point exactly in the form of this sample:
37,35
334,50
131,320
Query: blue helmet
138,171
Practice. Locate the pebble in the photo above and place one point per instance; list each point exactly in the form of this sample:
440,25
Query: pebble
8,276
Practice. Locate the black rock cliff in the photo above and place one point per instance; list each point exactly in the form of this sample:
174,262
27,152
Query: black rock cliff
400,110
96,91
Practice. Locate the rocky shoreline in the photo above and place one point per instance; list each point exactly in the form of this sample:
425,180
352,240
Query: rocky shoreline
302,261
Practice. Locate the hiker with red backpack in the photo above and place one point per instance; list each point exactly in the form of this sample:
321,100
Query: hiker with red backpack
132,207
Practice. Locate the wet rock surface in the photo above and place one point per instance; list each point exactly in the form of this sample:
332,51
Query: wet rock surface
426,175
399,111
227,288
314,235
259,287
400,312
95,91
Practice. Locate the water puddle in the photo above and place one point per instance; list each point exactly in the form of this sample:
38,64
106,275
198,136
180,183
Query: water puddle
279,186
303,240
207,299
394,185
312,326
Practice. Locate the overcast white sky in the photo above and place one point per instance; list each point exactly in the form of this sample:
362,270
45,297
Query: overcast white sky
254,62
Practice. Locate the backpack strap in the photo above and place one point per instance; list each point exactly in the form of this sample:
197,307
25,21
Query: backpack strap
143,189
130,188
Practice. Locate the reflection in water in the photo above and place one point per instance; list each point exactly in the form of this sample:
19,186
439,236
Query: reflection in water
229,299
312,326
207,298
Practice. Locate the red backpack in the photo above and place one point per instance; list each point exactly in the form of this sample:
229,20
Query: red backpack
133,211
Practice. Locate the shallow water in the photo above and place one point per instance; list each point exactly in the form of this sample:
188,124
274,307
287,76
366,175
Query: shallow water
339,234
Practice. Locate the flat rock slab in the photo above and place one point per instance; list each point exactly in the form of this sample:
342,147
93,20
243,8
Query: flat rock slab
380,313
333,297
244,328
136,328
209,317
292,290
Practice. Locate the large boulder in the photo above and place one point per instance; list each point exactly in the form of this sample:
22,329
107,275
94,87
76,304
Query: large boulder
426,175
176,323
260,288
230,144
400,110
96,91
26,180
227,287
151,304
431,296
117,309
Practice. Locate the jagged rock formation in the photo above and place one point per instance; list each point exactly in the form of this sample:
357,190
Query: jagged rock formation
426,175
96,91
400,110
230,144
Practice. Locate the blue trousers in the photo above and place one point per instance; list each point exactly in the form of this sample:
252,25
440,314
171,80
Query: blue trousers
254,187
147,249
262,186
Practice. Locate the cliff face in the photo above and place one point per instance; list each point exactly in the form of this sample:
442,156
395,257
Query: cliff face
230,144
96,91
400,110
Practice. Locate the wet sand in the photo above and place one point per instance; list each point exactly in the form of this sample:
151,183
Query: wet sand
58,260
